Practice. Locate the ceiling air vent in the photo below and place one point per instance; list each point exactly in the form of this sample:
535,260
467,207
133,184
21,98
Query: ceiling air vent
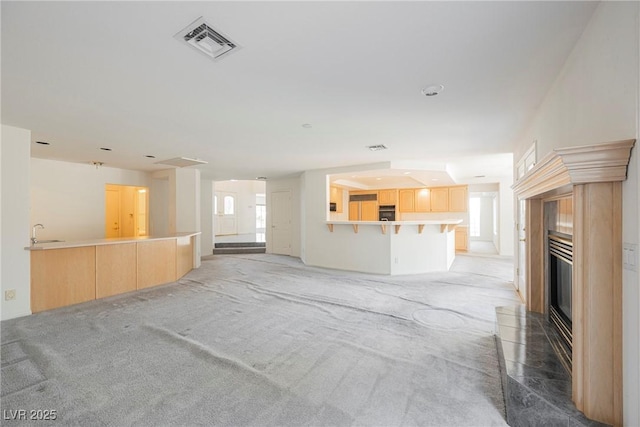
207,40
181,162
377,147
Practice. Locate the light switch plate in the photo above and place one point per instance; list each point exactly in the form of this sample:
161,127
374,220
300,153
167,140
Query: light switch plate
630,256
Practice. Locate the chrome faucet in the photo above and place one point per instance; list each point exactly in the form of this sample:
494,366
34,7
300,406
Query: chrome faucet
34,240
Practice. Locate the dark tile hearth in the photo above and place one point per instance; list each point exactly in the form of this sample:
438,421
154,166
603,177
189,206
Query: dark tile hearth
537,387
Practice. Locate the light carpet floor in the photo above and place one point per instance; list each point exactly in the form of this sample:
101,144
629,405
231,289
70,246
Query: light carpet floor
263,340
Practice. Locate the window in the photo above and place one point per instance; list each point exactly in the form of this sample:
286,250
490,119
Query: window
474,217
229,205
261,216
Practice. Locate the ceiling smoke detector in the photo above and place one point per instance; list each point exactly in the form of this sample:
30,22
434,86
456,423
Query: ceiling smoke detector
207,40
377,147
181,162
432,90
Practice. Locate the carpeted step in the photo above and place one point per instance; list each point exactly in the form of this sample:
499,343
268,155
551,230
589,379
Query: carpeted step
240,250
240,245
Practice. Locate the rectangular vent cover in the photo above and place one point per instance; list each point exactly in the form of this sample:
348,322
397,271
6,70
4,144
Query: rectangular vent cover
207,40
377,147
181,162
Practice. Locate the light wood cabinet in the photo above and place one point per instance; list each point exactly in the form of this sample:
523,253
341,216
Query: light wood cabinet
369,211
422,199
387,197
335,196
458,199
462,238
363,211
71,275
407,200
62,277
440,199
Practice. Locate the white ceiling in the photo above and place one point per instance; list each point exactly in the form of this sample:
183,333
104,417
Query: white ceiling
85,75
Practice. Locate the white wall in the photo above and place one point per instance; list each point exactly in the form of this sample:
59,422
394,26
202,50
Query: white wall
69,198
159,206
506,215
595,99
15,150
206,216
292,184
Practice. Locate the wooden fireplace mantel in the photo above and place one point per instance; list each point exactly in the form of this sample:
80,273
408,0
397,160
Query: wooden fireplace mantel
593,176
576,165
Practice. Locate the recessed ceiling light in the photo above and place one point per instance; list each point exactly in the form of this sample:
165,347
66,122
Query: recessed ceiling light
150,156
307,126
407,173
105,149
42,143
432,90
233,180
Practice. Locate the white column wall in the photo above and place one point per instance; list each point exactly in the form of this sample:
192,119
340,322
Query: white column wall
206,217
187,205
15,150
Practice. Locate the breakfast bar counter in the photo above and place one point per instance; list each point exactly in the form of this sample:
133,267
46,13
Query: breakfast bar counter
391,247
66,273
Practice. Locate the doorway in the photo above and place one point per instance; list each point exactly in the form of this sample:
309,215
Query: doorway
126,211
224,208
483,224
281,222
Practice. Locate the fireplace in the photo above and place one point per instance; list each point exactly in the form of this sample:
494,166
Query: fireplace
592,175
560,250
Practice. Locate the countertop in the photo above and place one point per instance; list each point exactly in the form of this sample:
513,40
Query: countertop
110,241
416,222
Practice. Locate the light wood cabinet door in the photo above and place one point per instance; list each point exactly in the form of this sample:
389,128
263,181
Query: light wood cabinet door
407,200
440,199
458,199
423,199
387,197
462,239
335,196
354,211
369,211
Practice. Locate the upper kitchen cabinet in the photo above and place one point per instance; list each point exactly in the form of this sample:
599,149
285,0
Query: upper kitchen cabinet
336,195
407,200
440,199
387,197
458,199
422,199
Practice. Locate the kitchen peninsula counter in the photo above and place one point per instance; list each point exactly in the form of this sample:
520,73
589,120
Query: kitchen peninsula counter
66,273
390,247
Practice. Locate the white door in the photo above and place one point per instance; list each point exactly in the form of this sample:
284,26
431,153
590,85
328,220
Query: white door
521,284
281,222
225,213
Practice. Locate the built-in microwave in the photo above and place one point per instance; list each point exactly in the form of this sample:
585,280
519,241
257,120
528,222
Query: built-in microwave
387,213
332,207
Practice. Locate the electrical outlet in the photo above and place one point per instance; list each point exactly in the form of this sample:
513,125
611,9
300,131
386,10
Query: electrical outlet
630,256
9,294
